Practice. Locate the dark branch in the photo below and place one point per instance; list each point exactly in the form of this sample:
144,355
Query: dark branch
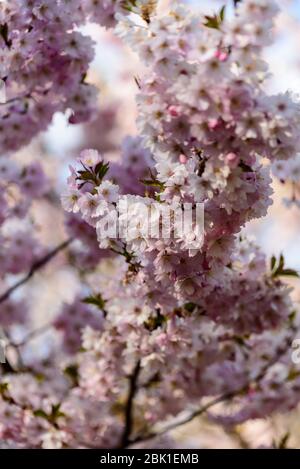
133,379
39,264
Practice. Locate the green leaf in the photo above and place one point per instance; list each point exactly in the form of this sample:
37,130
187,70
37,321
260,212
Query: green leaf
293,374
215,21
281,262
85,176
212,22
129,5
101,170
273,262
190,307
3,388
152,183
39,377
40,413
278,269
222,13
292,316
96,300
56,413
53,416
289,272
154,322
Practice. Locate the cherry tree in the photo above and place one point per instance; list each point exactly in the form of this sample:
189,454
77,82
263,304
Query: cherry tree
195,322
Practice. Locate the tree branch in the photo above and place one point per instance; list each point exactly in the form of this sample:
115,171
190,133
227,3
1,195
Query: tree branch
223,398
133,379
236,2
33,334
39,264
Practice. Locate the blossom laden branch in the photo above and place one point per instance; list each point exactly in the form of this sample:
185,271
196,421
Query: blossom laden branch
236,3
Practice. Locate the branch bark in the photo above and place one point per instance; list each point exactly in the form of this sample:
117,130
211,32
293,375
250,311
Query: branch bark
223,398
236,2
39,264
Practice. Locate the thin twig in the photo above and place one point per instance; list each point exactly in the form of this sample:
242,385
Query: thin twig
39,264
133,379
223,398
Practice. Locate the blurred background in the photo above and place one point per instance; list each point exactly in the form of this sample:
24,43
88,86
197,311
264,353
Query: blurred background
113,71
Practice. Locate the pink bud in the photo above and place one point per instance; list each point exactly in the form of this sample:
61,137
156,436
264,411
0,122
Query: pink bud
213,123
221,55
149,416
232,159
